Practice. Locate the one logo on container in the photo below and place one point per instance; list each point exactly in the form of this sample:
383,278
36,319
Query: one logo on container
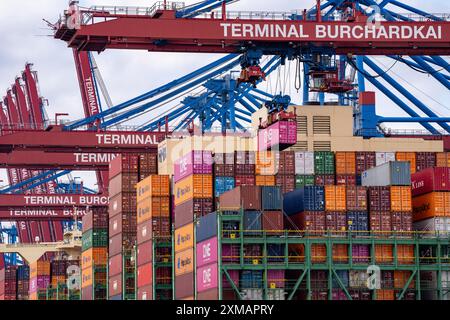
418,184
207,276
206,251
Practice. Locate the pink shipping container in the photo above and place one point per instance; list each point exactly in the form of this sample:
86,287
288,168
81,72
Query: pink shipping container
276,279
281,133
230,254
144,253
207,277
207,252
195,162
360,253
429,180
115,265
39,282
234,275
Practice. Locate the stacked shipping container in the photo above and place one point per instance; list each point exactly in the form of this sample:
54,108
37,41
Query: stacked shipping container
94,258
154,225
39,279
193,198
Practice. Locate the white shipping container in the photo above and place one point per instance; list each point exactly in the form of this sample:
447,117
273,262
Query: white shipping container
358,279
383,157
433,227
429,285
304,163
393,173
252,294
276,294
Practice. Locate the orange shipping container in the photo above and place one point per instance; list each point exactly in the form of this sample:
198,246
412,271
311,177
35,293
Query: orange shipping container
265,180
401,278
33,296
153,186
384,253
401,199
407,156
193,187
39,268
184,238
335,198
153,207
433,204
405,254
99,256
58,280
184,262
340,253
345,163
86,277
443,159
297,253
266,163
385,295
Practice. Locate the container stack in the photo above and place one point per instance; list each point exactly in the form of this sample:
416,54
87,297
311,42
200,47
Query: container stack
431,214
61,271
245,162
304,169
324,168
193,198
154,227
8,283
94,258
39,280
23,282
285,177
346,168
265,168
224,173
443,159
124,175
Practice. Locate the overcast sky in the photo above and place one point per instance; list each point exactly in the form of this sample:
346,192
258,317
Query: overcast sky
24,37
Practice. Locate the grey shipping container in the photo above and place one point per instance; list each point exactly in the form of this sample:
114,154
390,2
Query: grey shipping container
271,198
393,173
206,227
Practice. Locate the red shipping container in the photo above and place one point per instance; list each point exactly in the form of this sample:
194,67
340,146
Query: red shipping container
286,182
124,202
402,224
365,161
425,160
310,221
286,162
356,198
144,253
115,265
346,179
380,223
245,197
145,275
148,164
97,218
185,212
245,180
245,169
145,293
245,157
337,222
144,231
429,180
224,170
184,286
123,183
379,199
273,220
324,180
115,285
126,162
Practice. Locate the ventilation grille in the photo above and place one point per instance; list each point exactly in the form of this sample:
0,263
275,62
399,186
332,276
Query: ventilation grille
322,146
321,125
302,125
300,146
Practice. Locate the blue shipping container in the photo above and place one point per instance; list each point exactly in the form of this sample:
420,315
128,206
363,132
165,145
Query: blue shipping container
272,198
23,272
252,223
116,298
251,279
206,227
275,253
222,185
358,221
309,198
343,276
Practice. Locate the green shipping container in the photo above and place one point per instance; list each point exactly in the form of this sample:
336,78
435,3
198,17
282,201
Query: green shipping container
302,181
95,238
324,162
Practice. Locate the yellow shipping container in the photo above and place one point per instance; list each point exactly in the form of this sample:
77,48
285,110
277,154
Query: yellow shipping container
184,262
153,186
184,238
193,187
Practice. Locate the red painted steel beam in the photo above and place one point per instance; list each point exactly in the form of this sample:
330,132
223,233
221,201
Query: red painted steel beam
81,141
59,161
167,33
34,100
